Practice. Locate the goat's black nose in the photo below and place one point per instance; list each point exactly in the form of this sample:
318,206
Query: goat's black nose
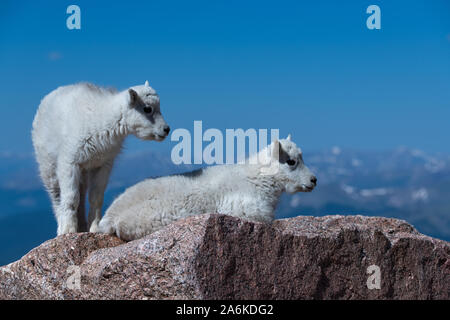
167,129
314,179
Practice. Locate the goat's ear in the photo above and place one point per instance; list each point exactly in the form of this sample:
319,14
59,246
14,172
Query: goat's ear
146,83
133,97
276,150
288,137
278,153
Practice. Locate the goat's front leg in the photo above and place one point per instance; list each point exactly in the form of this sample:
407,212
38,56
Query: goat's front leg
98,180
69,182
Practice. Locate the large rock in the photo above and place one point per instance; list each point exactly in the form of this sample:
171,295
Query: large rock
221,257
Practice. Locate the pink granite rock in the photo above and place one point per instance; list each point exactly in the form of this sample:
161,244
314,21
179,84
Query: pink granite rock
222,257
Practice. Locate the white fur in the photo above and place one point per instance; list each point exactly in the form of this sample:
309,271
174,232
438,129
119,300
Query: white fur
77,132
242,190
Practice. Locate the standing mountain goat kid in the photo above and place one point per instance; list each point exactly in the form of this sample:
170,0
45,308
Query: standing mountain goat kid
250,191
78,130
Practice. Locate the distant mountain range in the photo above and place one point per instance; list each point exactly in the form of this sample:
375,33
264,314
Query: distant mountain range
402,183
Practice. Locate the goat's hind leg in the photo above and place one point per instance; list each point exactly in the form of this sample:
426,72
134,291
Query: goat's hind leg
69,182
81,212
98,180
50,180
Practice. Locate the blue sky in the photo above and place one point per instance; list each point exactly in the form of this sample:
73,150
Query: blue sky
310,68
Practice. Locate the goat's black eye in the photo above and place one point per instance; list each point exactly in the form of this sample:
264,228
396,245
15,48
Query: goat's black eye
148,109
290,162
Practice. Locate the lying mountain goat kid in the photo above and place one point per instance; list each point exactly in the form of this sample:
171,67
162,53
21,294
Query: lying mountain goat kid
250,191
77,132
